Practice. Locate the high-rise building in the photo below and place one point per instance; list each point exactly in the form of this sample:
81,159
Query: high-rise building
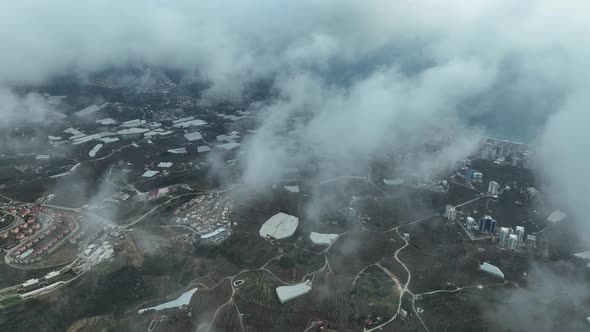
499,151
487,224
493,187
450,213
520,233
512,241
531,242
543,246
504,234
477,176
470,223
488,154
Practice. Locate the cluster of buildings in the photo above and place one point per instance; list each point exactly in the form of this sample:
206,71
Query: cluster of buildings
98,254
34,248
465,171
506,152
207,214
23,225
512,239
153,169
441,186
26,228
112,131
363,218
450,213
485,225
107,84
35,284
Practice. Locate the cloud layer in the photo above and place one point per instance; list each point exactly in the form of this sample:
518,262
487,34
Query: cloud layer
361,76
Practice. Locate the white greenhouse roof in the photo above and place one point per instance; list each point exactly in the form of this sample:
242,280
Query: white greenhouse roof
189,123
491,269
133,123
178,150
107,121
556,216
88,110
293,189
165,164
132,131
95,150
149,174
228,146
287,293
322,239
279,226
195,136
213,233
395,182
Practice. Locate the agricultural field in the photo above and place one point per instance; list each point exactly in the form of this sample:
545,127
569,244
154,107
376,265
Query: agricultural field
356,250
227,319
205,301
256,299
375,293
11,299
295,264
331,300
385,213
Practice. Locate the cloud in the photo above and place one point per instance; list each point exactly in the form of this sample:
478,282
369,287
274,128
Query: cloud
354,77
550,301
16,107
562,162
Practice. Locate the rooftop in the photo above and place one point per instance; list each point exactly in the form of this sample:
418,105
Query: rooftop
132,131
195,136
107,121
149,174
95,150
293,189
165,165
88,110
322,239
30,282
189,123
158,132
279,226
287,293
107,140
556,216
133,123
212,234
395,182
492,269
228,146
178,151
